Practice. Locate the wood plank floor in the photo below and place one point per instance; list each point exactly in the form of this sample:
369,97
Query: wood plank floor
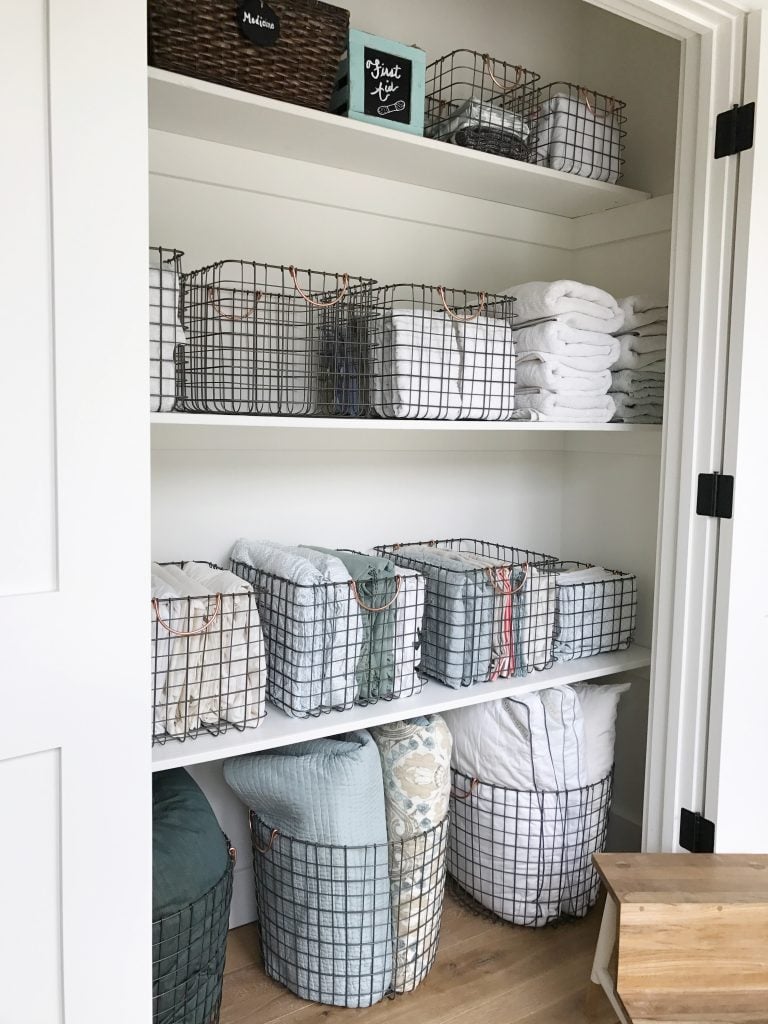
485,973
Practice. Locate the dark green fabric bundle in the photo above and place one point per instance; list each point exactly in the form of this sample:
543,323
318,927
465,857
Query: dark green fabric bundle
376,587
191,895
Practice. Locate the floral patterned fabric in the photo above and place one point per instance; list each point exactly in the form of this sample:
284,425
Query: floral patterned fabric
416,765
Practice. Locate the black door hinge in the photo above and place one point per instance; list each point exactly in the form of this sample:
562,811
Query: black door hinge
697,833
735,130
715,496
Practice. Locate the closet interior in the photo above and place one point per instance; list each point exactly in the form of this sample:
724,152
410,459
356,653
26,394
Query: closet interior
239,177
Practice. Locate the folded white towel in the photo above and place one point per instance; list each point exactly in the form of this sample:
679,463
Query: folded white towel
535,404
640,310
552,375
577,305
416,366
641,353
655,330
487,353
638,410
630,381
573,137
477,113
581,350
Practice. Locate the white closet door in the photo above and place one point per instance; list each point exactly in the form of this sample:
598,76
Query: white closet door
738,736
75,874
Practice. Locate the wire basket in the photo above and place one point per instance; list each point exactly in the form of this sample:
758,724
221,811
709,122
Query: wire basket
346,925
580,131
203,40
165,331
489,610
480,102
188,953
441,354
593,616
526,857
208,665
330,648
274,341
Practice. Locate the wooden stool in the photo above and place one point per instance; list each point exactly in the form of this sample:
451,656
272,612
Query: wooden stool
687,935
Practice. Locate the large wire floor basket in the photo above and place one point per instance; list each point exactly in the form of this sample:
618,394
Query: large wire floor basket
346,926
526,857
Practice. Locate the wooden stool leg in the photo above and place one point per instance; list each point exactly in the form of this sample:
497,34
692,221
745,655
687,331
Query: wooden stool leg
601,973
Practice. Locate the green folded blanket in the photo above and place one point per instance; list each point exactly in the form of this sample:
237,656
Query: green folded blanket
376,588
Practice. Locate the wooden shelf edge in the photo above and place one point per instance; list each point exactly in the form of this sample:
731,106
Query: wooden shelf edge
278,729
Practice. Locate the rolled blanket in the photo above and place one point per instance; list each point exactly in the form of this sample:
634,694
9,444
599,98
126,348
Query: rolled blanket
574,137
487,351
311,625
577,305
641,310
536,404
376,588
416,366
580,350
416,765
324,908
552,375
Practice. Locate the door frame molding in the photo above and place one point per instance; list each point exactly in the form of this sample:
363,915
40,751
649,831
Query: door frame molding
712,36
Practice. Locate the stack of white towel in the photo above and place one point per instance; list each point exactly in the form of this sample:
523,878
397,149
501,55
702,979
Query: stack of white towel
565,348
637,384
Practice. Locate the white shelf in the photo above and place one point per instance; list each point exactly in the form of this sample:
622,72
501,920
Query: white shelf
192,421
278,729
200,110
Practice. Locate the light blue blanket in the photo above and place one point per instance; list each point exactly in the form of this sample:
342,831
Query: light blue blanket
312,630
324,892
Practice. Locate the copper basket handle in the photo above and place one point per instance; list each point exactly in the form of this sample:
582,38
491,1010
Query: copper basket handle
468,794
368,608
502,85
462,319
187,632
272,837
232,317
610,104
313,302
490,573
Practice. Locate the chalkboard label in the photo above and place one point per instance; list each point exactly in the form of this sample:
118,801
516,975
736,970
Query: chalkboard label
387,83
258,22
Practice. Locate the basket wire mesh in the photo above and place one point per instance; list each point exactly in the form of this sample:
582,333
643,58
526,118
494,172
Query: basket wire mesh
165,331
526,857
580,131
489,609
347,926
330,646
274,340
188,954
594,616
480,102
208,665
441,354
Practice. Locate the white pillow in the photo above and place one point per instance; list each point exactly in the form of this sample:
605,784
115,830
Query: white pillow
599,705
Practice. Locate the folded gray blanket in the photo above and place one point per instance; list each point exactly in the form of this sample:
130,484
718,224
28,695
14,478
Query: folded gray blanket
325,910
